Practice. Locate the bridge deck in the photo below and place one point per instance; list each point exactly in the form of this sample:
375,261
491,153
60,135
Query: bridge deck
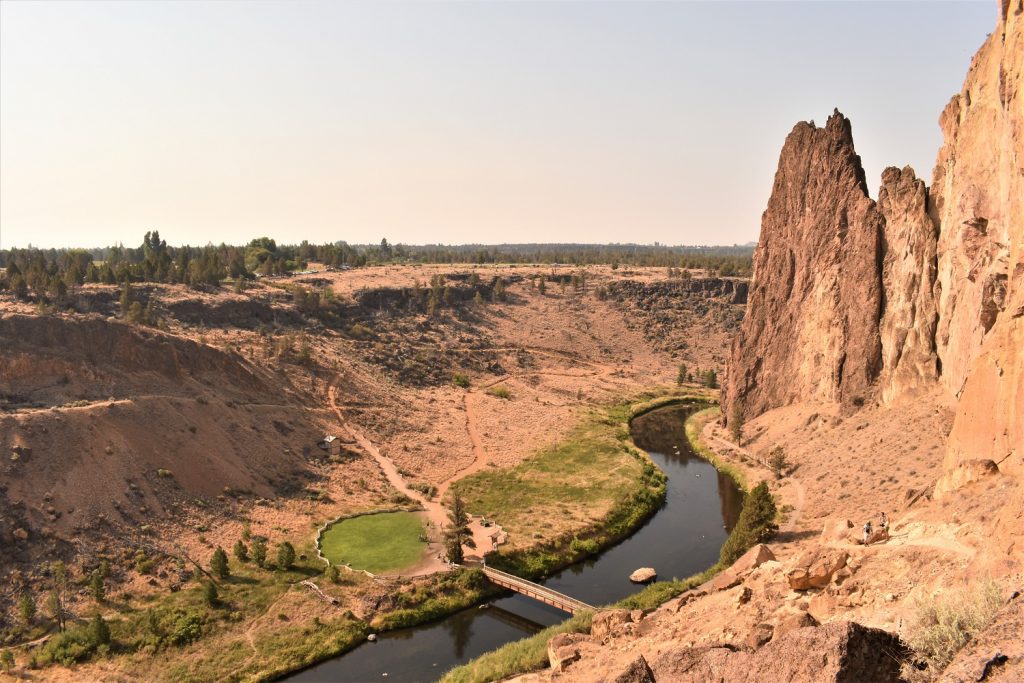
533,590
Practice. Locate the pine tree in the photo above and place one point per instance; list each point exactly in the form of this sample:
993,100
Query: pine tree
477,299
96,587
126,298
56,598
219,564
27,607
99,631
683,374
259,552
210,593
755,525
458,533
285,555
6,660
241,551
736,424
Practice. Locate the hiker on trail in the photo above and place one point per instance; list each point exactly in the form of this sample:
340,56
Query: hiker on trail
867,532
884,523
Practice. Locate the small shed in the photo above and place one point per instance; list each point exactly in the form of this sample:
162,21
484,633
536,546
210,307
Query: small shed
331,444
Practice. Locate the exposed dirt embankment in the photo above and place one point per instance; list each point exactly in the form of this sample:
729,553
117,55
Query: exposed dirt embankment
51,360
111,429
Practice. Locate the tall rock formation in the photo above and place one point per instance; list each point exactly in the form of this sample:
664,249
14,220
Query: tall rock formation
852,300
979,202
909,314
812,326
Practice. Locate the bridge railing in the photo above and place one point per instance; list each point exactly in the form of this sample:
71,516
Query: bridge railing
534,590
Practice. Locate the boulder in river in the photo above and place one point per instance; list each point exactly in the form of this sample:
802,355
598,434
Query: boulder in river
643,575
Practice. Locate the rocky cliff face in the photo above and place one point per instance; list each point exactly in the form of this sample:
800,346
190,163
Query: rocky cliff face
812,326
979,203
908,278
853,300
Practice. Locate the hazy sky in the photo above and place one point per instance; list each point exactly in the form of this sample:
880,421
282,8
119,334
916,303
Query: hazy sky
436,122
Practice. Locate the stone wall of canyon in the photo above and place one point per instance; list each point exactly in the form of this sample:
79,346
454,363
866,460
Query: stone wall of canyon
856,301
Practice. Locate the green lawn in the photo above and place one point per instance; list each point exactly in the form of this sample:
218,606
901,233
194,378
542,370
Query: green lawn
381,543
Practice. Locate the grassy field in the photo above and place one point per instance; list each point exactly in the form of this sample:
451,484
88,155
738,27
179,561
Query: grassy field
381,543
569,500
564,487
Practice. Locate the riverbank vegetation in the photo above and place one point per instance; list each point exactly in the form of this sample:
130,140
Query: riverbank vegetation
756,524
571,499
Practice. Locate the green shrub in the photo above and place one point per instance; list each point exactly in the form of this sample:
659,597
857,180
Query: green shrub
460,381
500,391
67,647
188,628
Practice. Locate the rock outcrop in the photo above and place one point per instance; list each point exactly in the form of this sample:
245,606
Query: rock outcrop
842,651
811,331
853,300
909,317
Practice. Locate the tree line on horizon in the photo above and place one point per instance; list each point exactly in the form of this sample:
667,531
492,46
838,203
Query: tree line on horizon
49,274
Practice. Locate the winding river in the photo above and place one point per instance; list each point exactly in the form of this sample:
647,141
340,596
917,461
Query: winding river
681,539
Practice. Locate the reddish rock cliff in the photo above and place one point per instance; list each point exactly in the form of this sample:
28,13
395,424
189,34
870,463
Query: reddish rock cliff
812,325
908,276
979,201
853,300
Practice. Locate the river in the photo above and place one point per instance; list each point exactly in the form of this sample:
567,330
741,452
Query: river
681,539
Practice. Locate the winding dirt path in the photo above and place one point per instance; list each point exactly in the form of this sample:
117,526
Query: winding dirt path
434,513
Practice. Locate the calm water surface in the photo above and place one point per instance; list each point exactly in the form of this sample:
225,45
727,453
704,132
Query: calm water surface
681,539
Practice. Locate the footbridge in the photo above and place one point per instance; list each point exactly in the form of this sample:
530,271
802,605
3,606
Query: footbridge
532,590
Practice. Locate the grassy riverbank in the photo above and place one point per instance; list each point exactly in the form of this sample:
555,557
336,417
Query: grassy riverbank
570,500
530,654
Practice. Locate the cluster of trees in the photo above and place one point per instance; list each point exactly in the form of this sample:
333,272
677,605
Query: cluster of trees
734,260
49,274
707,378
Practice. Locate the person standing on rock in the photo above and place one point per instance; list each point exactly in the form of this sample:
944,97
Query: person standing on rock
867,532
883,525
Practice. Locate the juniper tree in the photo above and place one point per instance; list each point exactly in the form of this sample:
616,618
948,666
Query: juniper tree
458,533
219,564
285,555
259,552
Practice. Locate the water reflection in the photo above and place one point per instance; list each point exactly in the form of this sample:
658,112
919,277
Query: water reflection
683,538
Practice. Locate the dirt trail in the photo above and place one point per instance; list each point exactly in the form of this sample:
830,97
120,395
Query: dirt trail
435,515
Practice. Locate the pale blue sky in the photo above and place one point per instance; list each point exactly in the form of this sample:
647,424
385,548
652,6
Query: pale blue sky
449,122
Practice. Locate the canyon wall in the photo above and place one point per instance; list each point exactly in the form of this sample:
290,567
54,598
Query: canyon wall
855,301
978,191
